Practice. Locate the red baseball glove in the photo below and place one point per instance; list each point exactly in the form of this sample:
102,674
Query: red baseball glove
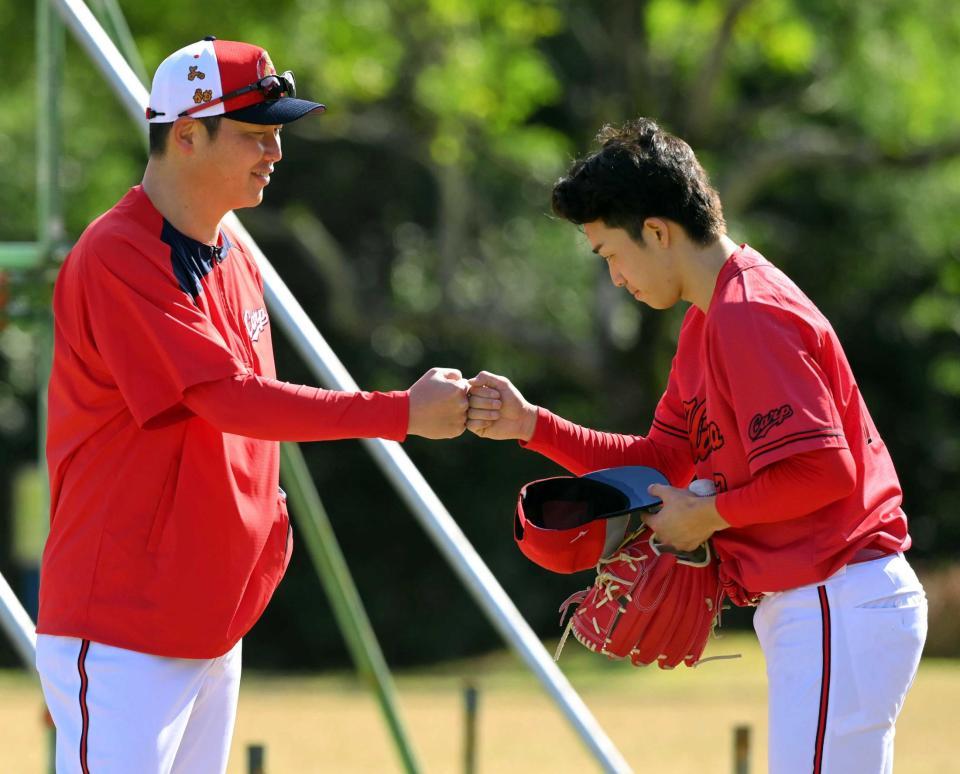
648,603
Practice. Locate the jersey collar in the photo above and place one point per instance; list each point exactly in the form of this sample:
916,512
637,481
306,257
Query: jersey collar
743,258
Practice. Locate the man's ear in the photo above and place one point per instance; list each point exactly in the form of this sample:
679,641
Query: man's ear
184,134
658,231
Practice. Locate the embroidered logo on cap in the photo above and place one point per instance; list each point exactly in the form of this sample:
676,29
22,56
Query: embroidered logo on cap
195,73
202,96
265,66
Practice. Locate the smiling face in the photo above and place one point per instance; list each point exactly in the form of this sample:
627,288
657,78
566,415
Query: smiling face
645,267
233,167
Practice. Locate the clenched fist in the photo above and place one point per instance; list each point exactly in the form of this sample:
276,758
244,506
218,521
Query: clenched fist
498,410
438,404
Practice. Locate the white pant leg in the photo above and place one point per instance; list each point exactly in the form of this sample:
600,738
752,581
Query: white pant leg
118,711
205,746
876,614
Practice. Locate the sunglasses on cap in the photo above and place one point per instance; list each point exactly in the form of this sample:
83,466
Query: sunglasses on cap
272,86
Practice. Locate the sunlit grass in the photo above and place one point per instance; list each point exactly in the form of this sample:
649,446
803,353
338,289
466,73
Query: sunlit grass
666,722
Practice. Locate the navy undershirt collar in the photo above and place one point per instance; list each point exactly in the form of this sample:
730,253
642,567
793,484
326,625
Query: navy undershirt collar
192,260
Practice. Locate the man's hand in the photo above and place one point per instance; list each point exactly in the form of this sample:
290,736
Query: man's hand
498,410
438,404
686,520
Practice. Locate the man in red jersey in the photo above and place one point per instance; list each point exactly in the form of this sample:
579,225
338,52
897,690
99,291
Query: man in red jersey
761,402
169,533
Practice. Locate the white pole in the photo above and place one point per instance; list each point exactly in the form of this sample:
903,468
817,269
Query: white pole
17,625
105,55
408,481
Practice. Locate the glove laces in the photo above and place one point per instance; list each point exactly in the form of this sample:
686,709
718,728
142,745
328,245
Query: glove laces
610,584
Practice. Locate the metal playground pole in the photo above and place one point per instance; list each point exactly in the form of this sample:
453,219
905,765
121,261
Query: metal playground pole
17,625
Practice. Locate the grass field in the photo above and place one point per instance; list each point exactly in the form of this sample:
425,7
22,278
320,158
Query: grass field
663,722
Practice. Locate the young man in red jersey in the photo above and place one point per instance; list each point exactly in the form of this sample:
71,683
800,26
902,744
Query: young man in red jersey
169,533
760,401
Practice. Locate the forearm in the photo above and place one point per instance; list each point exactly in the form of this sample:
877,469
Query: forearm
791,488
269,409
581,450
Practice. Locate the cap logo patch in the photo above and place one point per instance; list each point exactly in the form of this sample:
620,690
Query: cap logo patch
202,96
195,73
265,66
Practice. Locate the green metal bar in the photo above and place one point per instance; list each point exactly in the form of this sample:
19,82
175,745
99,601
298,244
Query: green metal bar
331,567
50,57
51,45
44,339
19,255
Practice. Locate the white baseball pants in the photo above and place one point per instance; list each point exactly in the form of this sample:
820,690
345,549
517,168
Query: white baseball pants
841,656
119,711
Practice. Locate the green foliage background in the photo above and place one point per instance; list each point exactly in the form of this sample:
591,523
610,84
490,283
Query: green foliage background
413,222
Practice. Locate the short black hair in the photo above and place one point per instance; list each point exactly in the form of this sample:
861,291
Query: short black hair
640,172
160,132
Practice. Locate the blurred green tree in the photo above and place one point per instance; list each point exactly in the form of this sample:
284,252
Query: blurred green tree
413,220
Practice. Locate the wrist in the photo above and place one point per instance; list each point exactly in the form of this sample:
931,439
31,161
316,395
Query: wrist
403,413
712,515
530,414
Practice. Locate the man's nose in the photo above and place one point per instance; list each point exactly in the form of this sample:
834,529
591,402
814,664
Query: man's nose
615,276
273,151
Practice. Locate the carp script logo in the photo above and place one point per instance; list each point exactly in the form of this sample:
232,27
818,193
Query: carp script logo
255,321
761,424
705,436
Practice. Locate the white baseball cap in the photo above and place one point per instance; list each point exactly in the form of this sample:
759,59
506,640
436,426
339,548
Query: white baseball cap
225,78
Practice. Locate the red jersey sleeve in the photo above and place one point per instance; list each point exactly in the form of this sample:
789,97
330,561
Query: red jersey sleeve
790,488
153,340
765,361
258,407
581,450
